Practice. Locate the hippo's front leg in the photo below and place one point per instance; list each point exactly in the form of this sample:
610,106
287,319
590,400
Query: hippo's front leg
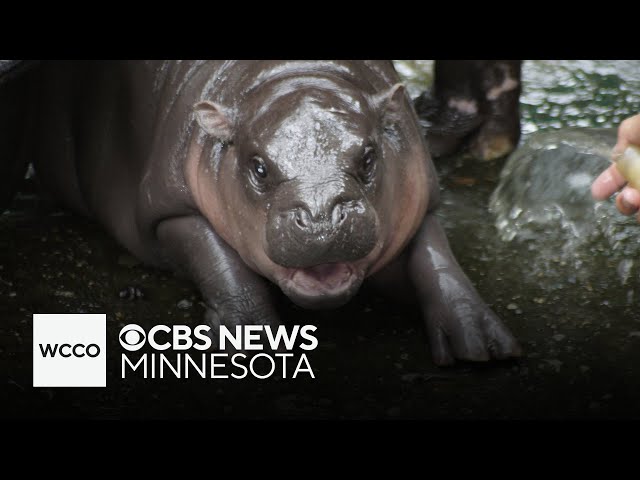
234,294
459,324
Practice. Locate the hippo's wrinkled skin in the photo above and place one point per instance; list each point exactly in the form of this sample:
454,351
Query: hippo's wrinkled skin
473,105
310,174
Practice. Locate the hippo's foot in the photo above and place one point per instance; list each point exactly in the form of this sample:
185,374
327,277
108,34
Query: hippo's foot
446,123
500,132
459,324
491,143
464,328
236,312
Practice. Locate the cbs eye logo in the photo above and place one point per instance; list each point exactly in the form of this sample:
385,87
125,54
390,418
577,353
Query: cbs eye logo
132,337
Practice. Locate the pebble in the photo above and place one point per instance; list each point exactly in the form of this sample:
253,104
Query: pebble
512,306
64,293
184,304
634,334
559,337
131,293
556,364
584,368
12,294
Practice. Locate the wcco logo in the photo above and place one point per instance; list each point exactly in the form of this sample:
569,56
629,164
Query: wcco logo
69,350
78,350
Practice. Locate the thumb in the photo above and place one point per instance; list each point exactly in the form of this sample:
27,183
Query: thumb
628,133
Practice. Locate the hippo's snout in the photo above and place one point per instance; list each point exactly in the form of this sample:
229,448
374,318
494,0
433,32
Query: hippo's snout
305,221
301,237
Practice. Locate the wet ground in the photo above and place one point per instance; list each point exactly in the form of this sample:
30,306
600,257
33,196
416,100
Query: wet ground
572,305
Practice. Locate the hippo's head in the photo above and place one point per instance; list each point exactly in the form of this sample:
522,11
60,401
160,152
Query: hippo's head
316,185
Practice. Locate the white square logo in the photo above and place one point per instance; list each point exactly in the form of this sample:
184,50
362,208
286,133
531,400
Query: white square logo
69,350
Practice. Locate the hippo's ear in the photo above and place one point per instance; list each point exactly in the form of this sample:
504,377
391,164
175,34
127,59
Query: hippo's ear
390,102
214,120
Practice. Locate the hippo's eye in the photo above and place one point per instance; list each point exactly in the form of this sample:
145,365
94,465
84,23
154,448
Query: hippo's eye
259,167
367,163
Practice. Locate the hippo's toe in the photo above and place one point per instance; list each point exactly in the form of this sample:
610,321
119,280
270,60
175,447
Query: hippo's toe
469,332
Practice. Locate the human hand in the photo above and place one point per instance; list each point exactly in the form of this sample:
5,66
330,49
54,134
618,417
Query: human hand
611,180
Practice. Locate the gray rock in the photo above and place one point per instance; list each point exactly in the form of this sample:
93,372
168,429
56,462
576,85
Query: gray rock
185,304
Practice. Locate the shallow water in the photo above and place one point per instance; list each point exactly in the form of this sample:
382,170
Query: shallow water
566,286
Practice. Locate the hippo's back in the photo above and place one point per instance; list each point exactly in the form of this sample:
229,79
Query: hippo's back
228,82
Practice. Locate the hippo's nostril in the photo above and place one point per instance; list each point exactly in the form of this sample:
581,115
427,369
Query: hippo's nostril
302,218
339,214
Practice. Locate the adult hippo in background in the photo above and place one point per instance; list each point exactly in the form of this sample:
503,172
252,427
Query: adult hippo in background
312,175
473,105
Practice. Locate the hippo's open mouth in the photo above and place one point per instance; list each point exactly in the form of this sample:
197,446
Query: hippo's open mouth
322,286
328,278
